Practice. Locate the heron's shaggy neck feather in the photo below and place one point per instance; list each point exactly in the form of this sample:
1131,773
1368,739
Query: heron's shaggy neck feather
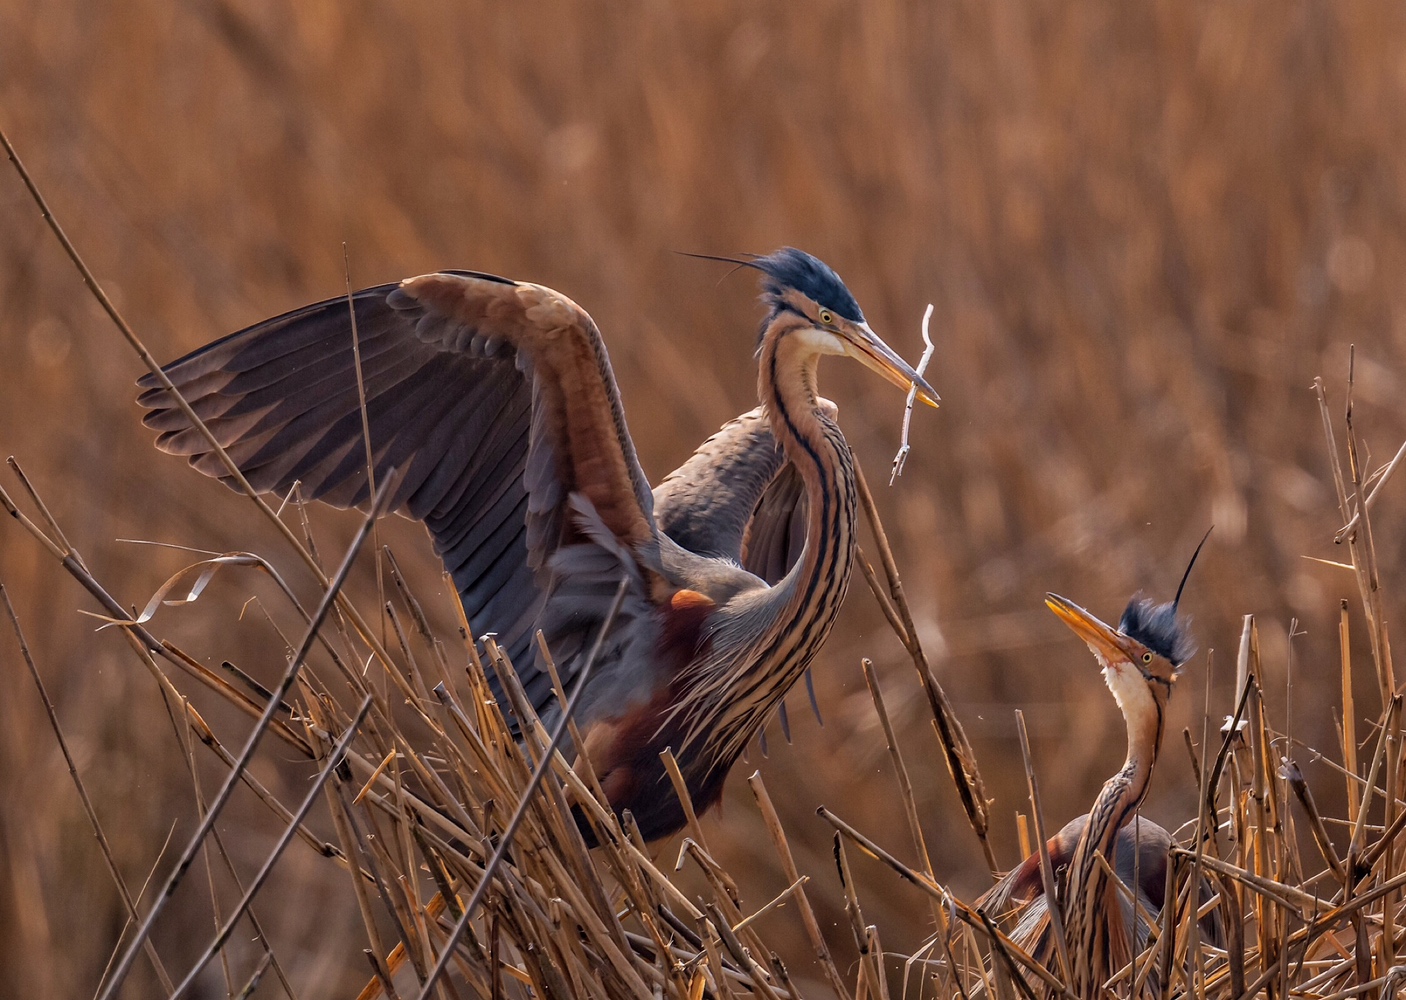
765,644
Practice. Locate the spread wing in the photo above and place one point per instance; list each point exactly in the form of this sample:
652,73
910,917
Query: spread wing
495,404
738,498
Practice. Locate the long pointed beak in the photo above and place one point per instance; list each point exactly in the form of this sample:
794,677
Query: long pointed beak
878,356
1107,642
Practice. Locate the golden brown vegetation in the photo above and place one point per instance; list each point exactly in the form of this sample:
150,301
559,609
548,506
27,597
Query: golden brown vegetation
1145,231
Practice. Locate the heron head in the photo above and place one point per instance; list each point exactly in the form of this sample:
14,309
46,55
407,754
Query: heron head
1149,644
1151,641
798,285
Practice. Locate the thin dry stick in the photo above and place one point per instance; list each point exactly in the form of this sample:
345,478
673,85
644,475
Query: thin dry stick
972,918
1367,576
1369,786
255,977
1285,895
961,760
247,754
1382,478
1315,818
905,786
183,734
779,901
870,965
365,437
1349,726
788,867
72,561
671,766
719,919
1388,935
353,848
901,458
1360,545
103,846
1047,877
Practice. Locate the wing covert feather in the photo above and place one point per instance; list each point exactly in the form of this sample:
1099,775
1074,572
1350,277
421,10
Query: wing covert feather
737,497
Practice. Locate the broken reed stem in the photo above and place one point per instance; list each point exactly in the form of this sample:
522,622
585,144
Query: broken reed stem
1361,547
1349,724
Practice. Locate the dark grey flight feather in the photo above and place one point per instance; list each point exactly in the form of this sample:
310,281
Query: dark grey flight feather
449,408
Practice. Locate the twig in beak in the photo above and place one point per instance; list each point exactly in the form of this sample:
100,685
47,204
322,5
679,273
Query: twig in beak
903,450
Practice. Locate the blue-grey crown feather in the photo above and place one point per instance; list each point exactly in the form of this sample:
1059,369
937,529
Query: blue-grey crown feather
812,277
1158,628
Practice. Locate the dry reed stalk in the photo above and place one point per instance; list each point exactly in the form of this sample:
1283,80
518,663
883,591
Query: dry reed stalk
788,866
103,845
1047,873
905,787
957,751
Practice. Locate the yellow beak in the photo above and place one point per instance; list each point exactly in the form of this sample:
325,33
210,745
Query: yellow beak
1103,639
874,354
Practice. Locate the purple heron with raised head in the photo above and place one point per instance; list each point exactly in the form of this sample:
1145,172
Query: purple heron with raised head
494,402
1141,660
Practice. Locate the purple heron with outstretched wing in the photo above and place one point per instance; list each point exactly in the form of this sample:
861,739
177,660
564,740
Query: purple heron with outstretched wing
494,402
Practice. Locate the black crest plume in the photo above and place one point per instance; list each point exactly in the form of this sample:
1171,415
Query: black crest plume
1156,625
811,276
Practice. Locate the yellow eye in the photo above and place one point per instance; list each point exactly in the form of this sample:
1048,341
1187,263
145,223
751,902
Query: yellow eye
827,317
1146,657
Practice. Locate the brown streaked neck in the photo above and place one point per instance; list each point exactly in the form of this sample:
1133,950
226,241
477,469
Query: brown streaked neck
1096,930
786,386
813,442
794,616
1124,792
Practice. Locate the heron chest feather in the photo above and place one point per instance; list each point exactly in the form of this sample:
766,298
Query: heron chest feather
683,636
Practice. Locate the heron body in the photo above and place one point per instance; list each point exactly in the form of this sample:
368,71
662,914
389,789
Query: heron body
1141,850
1141,660
493,404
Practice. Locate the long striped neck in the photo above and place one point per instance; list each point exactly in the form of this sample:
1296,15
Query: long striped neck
792,619
1098,934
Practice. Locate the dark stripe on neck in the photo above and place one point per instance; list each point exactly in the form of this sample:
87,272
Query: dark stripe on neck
814,615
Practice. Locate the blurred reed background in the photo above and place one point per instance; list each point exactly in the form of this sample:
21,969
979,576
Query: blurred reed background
1145,230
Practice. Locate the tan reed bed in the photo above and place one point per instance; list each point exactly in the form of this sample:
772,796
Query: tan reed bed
424,782
464,853
422,779
1311,903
